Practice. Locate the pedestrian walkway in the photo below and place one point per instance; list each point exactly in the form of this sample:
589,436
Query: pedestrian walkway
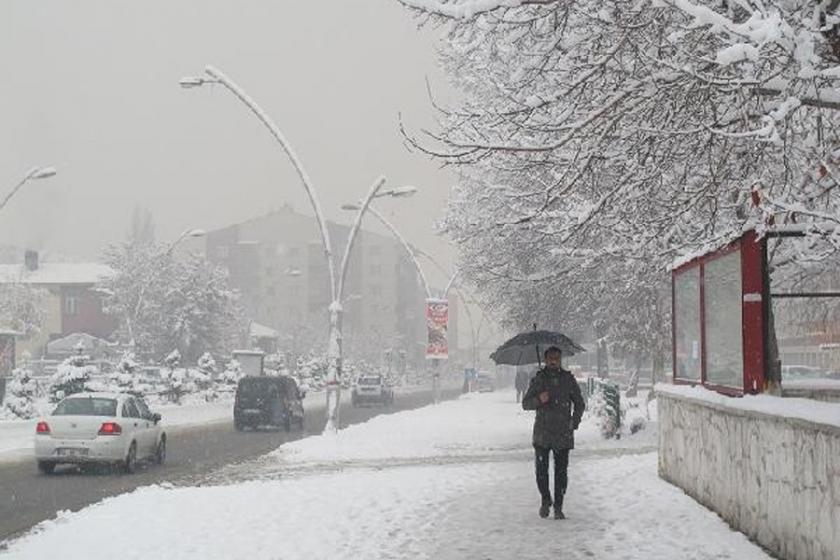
451,481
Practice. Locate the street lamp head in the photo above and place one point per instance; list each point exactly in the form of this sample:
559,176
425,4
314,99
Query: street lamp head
401,192
192,82
195,233
43,172
350,207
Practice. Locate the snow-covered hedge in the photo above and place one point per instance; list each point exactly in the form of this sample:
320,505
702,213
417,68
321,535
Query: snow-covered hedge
21,391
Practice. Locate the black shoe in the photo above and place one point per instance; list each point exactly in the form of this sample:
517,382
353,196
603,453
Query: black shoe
558,514
545,507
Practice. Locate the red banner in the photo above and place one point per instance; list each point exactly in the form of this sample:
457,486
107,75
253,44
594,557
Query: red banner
437,322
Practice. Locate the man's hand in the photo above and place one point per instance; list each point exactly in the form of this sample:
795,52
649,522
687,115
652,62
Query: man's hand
544,397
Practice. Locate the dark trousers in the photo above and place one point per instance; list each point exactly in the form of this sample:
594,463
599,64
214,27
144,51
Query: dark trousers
561,477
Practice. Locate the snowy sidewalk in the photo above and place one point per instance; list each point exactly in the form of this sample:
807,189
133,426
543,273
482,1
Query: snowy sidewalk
452,481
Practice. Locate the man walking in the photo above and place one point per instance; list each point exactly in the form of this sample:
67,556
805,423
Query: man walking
555,395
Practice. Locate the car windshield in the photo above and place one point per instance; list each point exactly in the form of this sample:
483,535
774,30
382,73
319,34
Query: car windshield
369,381
90,406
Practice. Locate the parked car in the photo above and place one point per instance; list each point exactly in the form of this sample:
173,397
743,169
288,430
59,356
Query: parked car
484,383
268,401
372,389
107,428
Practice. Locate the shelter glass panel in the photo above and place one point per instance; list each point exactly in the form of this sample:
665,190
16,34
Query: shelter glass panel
687,324
723,313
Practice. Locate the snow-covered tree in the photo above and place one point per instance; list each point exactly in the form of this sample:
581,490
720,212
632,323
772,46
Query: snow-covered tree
21,308
176,378
206,372
597,141
21,392
162,301
71,377
125,374
232,373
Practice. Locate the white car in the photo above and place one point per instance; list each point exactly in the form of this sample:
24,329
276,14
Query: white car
372,389
107,428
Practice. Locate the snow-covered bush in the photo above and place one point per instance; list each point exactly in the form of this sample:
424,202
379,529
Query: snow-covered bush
232,374
71,377
20,395
608,416
176,378
125,374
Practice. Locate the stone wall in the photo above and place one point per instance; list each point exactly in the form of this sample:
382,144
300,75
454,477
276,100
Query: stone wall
774,478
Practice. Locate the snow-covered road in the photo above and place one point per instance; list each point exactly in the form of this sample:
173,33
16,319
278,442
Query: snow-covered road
453,480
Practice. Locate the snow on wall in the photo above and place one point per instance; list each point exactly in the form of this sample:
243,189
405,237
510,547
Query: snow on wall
773,476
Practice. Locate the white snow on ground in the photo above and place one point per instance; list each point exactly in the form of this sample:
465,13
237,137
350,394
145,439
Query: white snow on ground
462,488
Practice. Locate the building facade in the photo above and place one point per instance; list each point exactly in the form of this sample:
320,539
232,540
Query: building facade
277,262
68,300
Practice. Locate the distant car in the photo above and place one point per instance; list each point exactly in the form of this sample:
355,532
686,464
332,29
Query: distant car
372,389
107,428
484,383
268,401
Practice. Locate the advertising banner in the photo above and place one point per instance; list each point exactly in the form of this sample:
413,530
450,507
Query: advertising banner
437,321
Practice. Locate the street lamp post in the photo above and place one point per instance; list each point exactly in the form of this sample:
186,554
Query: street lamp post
34,173
334,345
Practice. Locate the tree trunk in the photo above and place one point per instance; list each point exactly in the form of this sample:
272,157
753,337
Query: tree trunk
633,386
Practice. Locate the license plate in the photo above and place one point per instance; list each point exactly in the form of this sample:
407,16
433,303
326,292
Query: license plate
71,451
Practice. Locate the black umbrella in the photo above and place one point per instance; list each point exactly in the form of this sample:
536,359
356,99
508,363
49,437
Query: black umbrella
527,347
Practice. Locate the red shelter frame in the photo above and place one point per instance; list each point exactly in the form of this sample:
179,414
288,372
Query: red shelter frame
755,301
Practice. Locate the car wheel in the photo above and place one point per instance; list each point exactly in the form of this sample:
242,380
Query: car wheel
46,467
130,463
160,452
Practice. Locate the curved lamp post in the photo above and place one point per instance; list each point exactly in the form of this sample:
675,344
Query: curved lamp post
34,173
334,345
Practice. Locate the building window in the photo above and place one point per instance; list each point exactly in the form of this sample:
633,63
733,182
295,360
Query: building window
376,269
71,304
222,251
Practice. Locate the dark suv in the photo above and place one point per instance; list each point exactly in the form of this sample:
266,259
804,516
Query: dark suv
268,401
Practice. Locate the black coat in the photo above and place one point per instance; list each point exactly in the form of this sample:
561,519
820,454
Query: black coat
557,420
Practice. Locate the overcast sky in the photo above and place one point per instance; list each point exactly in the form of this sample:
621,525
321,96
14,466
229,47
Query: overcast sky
91,87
